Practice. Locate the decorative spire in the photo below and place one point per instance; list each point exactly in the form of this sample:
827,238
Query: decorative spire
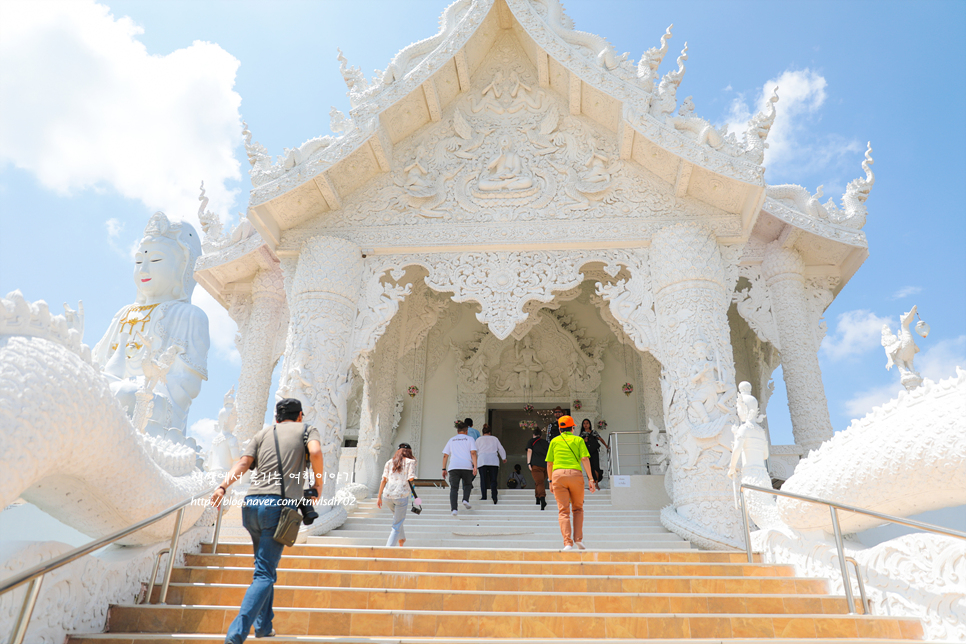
210,222
666,99
677,75
758,128
651,60
854,211
338,122
354,79
862,187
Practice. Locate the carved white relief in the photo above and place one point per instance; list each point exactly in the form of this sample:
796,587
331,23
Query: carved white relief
754,305
502,155
52,391
903,458
902,349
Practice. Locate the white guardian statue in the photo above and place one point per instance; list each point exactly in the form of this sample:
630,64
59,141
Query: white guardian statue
162,317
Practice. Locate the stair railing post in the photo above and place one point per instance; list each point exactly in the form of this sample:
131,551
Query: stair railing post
744,521
214,539
172,554
29,601
840,546
154,574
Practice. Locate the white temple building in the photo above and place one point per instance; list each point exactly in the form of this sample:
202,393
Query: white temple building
512,217
514,204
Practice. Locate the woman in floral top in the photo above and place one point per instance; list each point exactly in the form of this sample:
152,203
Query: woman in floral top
400,470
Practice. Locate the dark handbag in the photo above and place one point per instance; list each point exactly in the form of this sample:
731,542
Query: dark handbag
416,509
287,530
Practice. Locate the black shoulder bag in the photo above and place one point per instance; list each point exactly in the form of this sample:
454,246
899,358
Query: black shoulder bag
287,530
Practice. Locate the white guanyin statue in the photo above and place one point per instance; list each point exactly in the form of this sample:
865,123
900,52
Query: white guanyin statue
748,455
163,315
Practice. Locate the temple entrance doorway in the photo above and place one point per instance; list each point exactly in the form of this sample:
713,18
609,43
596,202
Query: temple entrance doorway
504,419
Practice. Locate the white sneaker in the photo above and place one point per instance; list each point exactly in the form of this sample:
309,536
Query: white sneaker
466,504
567,548
580,545
455,513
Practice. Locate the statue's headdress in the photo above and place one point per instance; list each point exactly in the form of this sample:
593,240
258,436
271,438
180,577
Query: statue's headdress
188,241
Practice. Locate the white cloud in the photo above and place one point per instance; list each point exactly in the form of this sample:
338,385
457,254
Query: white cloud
940,360
86,107
855,332
203,431
906,291
862,403
114,229
792,148
221,328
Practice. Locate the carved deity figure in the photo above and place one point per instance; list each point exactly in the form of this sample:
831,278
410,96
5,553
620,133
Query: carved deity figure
528,365
416,182
505,171
901,350
163,313
709,396
224,446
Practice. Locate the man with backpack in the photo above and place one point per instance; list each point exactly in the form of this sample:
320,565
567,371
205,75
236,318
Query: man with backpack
278,454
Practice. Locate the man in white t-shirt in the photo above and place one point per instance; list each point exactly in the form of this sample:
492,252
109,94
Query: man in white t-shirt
491,452
460,454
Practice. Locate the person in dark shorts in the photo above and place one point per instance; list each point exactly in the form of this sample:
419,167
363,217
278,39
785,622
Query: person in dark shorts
537,461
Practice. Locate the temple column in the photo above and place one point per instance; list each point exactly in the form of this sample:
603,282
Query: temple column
697,383
784,273
318,360
258,351
366,454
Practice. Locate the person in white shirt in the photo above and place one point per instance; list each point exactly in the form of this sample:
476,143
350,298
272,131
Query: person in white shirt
460,453
397,476
491,452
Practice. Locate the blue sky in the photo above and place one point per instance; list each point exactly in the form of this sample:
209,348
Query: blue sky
111,111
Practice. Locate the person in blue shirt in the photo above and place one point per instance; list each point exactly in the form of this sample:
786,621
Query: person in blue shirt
471,431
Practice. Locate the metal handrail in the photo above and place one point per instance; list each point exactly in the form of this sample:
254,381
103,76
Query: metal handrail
34,576
839,545
615,449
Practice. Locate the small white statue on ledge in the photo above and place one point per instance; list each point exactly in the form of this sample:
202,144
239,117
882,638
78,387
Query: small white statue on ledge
164,278
748,455
901,350
224,446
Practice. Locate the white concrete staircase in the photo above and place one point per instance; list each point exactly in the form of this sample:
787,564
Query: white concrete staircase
515,522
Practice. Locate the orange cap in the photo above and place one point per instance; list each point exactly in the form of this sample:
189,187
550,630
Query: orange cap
565,422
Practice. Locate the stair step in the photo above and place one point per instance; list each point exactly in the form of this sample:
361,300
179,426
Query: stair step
531,583
231,595
373,564
505,625
498,554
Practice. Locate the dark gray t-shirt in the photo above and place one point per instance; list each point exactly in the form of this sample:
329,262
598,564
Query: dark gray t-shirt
267,480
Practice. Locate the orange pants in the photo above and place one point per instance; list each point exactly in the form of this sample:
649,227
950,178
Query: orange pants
568,490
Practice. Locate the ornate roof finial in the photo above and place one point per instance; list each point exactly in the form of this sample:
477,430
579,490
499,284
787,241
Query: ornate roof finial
338,122
651,60
854,211
666,99
354,79
758,128
677,75
210,222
